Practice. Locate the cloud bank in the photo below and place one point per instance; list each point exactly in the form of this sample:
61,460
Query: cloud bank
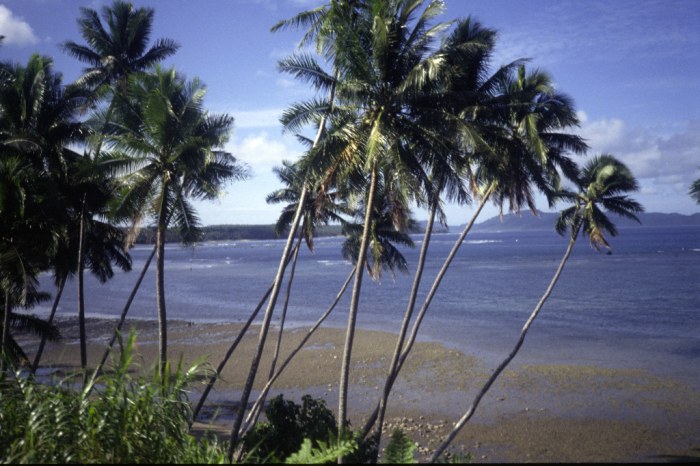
16,30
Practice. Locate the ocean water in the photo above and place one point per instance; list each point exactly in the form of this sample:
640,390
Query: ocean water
637,307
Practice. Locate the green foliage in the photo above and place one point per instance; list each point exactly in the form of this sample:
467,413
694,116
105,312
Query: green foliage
287,425
322,453
399,450
113,419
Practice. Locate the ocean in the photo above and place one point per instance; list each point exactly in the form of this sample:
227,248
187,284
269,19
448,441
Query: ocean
637,307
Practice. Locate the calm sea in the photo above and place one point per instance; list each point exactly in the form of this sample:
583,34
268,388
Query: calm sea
638,307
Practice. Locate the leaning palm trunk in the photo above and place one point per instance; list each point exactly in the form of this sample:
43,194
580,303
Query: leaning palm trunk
404,325
81,289
283,316
265,327
354,302
507,360
122,318
54,308
426,304
229,353
257,406
273,298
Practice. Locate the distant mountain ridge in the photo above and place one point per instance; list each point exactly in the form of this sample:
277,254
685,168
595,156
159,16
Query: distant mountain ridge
546,221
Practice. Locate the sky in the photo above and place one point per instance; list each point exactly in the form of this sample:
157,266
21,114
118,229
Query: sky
632,68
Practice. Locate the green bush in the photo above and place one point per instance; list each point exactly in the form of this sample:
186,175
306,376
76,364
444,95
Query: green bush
114,418
287,425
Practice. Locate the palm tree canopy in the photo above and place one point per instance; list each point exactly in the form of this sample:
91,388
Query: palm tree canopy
117,44
695,191
170,148
530,147
603,182
320,207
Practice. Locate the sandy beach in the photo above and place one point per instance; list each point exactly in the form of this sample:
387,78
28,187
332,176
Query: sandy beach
534,413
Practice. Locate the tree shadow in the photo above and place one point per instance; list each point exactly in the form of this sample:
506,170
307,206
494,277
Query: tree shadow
693,456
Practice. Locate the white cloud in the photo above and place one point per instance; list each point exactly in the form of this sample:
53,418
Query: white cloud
16,30
669,162
262,152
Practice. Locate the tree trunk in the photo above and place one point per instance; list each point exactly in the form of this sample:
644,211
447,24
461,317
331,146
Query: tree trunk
229,352
273,298
404,327
81,288
426,303
354,303
257,406
160,283
278,344
54,307
122,318
5,333
509,358
264,329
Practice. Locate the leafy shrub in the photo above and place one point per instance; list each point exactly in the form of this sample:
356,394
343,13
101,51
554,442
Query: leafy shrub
113,419
399,450
287,425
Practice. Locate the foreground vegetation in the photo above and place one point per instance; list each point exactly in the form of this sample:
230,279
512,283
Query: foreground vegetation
410,114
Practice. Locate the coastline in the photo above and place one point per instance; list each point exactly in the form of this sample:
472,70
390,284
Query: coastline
534,412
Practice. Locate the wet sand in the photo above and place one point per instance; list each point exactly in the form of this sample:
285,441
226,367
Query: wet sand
534,413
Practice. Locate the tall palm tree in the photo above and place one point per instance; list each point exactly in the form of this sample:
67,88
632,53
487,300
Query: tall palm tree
383,255
38,121
462,85
169,146
117,44
322,24
98,242
525,146
384,58
603,182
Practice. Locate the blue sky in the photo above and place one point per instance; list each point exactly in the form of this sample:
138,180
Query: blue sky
632,68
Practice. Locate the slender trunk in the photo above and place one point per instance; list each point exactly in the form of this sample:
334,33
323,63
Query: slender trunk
160,283
54,307
354,303
507,360
265,327
81,288
428,299
229,353
257,406
122,318
283,316
273,298
5,333
404,326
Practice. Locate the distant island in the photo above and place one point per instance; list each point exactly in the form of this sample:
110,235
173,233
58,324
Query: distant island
546,221
509,222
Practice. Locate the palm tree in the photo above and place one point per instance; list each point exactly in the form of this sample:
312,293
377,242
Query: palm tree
524,148
38,121
98,243
383,255
118,47
695,191
169,145
604,181
322,22
384,60
461,85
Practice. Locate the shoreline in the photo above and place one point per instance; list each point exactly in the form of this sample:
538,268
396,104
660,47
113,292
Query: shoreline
534,412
